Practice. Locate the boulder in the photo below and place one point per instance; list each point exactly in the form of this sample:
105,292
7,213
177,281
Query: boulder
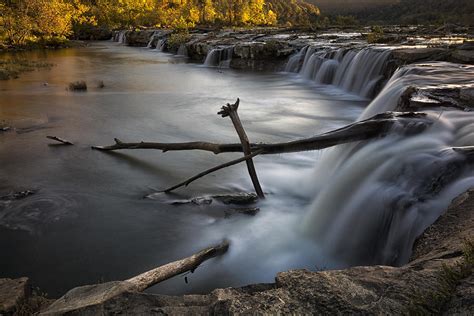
139,38
13,291
412,55
465,56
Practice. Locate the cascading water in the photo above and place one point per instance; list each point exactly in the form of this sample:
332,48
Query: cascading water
160,45
219,57
122,37
373,199
153,39
354,70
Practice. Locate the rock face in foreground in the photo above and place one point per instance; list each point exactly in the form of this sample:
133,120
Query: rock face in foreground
12,292
437,280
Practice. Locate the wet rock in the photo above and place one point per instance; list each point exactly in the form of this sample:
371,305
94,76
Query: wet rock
463,56
467,94
411,55
12,291
467,45
237,199
17,195
139,38
249,211
195,201
418,98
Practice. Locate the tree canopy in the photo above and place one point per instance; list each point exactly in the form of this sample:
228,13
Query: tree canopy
28,20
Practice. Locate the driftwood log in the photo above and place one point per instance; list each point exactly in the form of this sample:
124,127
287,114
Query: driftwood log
230,110
377,126
92,295
61,140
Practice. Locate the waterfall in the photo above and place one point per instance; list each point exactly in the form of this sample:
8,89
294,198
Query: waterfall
122,37
354,70
371,200
219,57
153,39
161,45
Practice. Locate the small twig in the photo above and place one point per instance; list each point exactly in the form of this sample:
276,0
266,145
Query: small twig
214,169
61,140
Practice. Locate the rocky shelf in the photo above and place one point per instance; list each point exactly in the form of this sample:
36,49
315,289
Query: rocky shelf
269,49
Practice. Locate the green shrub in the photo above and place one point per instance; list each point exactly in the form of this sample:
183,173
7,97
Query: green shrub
177,39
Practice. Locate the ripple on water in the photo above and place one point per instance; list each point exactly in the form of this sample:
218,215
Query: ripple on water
34,213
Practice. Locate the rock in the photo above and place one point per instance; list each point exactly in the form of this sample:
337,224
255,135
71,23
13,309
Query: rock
467,94
467,45
238,199
411,55
5,128
463,56
86,297
139,38
462,302
195,201
13,291
17,195
249,211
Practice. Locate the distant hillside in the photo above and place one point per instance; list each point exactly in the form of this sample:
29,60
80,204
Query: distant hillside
401,11
349,6
424,12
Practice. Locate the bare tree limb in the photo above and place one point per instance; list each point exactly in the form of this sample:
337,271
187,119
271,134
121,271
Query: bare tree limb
230,110
377,126
214,169
84,297
145,280
61,140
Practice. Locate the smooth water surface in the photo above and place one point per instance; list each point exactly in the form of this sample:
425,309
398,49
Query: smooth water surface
89,223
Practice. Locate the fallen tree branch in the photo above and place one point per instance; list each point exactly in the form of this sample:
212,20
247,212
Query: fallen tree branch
377,126
148,279
89,296
211,170
230,110
61,140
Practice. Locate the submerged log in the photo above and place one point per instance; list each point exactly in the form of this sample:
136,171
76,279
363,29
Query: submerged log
61,140
376,126
230,110
93,295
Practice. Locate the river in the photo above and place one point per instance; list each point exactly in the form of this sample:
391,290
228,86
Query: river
88,221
